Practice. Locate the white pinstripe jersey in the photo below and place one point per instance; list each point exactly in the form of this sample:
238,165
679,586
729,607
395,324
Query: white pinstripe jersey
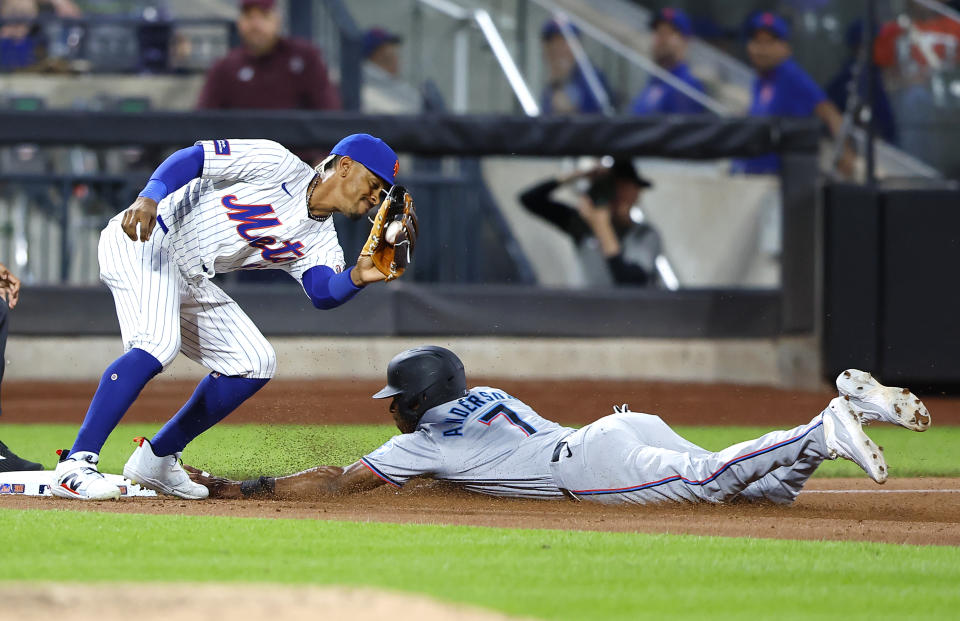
488,441
248,210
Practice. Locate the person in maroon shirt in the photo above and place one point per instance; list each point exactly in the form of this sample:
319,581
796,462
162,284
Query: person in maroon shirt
268,71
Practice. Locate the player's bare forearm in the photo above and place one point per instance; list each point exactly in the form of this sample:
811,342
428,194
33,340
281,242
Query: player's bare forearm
312,484
366,272
327,481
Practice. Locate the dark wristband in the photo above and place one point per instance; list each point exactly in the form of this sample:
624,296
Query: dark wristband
263,485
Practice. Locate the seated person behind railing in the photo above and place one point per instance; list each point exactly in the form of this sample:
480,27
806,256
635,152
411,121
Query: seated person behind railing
671,30
568,89
384,90
268,71
614,248
783,88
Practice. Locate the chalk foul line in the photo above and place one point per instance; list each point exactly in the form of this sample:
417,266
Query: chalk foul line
881,491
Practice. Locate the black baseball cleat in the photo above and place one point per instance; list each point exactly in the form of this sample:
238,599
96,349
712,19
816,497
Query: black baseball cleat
10,462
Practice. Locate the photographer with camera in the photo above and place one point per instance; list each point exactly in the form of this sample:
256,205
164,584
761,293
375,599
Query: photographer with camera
616,245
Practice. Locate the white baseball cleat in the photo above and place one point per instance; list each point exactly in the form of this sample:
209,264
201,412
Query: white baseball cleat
79,478
873,401
845,438
163,474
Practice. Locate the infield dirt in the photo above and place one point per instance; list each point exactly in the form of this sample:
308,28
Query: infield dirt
348,401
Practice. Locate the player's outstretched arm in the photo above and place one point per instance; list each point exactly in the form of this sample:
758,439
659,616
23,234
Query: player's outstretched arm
319,482
175,172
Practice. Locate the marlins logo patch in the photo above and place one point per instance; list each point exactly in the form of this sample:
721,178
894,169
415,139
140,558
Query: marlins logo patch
221,147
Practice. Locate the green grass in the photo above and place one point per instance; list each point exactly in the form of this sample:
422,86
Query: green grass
546,574
247,450
539,573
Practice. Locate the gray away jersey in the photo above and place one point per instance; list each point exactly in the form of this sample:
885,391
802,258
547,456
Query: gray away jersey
488,441
247,210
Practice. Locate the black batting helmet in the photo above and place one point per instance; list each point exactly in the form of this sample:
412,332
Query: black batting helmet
423,378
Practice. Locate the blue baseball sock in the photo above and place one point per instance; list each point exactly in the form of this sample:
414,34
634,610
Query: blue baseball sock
215,397
119,387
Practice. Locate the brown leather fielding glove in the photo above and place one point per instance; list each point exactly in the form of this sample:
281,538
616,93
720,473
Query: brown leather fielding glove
392,257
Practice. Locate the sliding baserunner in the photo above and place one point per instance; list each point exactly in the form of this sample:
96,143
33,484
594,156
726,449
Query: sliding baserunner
490,442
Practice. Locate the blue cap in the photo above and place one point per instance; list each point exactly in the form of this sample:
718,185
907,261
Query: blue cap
372,153
552,27
771,22
375,37
676,18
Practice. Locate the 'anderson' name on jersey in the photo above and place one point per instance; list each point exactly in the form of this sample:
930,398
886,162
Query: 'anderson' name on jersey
488,441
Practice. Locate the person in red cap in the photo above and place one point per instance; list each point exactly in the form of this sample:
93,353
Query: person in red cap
268,71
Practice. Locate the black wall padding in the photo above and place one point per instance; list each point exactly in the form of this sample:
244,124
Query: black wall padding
694,137
920,320
403,309
891,305
851,286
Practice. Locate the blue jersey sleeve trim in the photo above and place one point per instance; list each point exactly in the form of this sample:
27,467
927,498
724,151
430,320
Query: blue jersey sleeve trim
174,173
380,475
327,289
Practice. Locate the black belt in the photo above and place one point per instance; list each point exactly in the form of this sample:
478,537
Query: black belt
562,444
557,451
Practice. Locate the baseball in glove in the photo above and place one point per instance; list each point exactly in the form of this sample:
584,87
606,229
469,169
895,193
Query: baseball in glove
393,236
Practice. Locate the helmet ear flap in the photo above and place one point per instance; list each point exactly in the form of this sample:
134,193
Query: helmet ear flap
408,406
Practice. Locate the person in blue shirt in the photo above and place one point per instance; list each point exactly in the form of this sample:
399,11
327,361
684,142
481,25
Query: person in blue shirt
783,88
838,89
671,30
567,90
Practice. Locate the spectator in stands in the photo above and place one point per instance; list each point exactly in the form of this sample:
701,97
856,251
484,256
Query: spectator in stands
603,223
568,89
381,49
782,88
914,43
911,50
384,90
268,71
21,43
9,296
60,8
671,30
838,88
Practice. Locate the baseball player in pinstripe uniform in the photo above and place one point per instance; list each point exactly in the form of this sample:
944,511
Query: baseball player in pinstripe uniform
490,442
218,206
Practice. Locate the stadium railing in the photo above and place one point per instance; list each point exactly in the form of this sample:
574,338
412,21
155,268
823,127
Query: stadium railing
456,246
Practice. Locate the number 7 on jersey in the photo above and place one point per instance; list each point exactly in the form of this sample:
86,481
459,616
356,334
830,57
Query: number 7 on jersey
510,415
